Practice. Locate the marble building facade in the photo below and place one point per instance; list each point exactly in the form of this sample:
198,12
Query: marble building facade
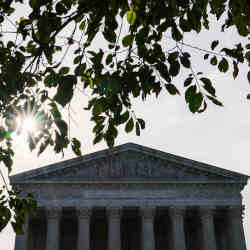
133,198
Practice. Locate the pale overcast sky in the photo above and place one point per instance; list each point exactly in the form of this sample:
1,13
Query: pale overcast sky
220,136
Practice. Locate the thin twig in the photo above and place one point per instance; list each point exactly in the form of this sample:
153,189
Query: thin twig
3,178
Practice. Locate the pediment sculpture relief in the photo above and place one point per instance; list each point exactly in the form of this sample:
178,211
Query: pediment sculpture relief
129,166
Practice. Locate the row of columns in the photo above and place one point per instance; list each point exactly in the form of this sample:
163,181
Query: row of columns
236,234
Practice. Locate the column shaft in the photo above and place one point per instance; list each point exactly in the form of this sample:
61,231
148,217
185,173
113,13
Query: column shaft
21,241
53,221
83,240
148,239
114,230
207,224
236,232
177,221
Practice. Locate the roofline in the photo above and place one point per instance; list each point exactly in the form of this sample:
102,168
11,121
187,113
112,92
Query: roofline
124,147
94,182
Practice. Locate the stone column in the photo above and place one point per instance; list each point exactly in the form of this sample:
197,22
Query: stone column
114,228
177,221
53,222
21,242
207,228
83,240
148,239
236,236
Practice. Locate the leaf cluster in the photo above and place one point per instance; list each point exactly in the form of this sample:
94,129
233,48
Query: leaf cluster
137,63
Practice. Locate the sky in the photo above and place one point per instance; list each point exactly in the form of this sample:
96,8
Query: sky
220,136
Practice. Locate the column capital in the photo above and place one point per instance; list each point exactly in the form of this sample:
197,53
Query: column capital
114,212
205,211
177,210
84,212
53,212
148,212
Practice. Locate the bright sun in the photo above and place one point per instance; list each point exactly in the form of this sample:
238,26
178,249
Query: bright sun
28,126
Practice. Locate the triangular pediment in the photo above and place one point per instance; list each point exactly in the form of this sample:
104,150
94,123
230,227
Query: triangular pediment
129,163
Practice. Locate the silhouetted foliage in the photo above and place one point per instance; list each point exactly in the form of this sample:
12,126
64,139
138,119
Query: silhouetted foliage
135,62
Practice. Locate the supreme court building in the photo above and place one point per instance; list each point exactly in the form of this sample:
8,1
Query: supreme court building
133,198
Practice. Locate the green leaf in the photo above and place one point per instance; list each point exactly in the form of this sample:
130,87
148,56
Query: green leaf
173,56
127,40
195,102
109,59
91,83
163,70
185,25
55,111
109,35
5,216
98,138
62,126
172,90
137,129
248,76
82,25
51,80
43,146
214,44
33,3
185,61
214,100
248,96
77,59
97,109
174,68
142,123
188,81
190,92
223,65
129,125
213,60
65,90
208,85
236,69
63,96
80,69
131,16
247,56
206,56
64,70
176,34
76,146
124,117
61,9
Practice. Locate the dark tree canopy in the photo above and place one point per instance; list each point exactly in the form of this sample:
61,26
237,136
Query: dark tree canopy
134,62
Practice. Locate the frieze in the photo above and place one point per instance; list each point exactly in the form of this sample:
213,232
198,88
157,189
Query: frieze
137,192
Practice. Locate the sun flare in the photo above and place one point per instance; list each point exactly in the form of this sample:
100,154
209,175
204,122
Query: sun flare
27,126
